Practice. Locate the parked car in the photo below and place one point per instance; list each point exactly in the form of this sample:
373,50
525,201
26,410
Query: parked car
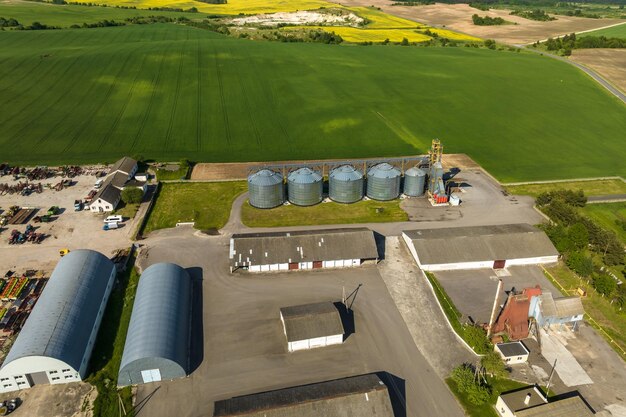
110,226
78,205
116,218
98,183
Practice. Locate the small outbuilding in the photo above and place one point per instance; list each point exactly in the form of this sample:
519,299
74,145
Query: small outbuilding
56,341
310,326
157,342
283,251
512,352
362,396
549,311
480,247
531,402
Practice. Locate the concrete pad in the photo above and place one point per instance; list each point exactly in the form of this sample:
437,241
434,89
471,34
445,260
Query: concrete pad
568,368
473,291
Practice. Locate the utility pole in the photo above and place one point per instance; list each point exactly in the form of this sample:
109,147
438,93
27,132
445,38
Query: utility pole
550,379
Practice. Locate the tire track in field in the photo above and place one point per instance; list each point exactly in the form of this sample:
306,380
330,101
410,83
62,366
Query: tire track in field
108,134
62,120
170,125
222,100
269,92
82,128
244,93
155,83
199,102
36,83
26,74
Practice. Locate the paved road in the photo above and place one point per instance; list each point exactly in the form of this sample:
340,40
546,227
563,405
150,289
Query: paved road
613,198
597,77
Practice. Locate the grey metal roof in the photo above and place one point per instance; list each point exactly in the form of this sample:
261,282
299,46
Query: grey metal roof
124,164
265,177
108,193
337,398
415,172
158,333
383,170
480,243
346,173
309,321
304,176
512,349
515,399
118,179
302,246
560,307
568,407
62,320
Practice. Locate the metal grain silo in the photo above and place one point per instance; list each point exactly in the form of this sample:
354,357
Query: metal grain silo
304,187
345,184
414,182
266,189
383,182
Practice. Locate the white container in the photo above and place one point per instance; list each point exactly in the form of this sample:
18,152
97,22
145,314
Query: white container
454,200
113,219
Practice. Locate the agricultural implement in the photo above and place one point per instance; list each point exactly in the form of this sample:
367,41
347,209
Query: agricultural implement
8,406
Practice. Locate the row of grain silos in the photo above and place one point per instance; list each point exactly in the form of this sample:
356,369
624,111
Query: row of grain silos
345,185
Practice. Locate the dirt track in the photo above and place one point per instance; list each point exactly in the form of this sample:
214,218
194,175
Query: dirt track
239,170
610,63
459,17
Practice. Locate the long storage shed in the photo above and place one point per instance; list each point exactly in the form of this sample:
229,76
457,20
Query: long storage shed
480,247
283,251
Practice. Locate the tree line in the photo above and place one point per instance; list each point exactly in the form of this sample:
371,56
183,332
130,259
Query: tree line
487,20
569,42
586,247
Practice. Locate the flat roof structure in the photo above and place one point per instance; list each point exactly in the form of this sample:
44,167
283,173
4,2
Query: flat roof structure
363,396
480,247
511,349
523,399
311,321
277,248
568,407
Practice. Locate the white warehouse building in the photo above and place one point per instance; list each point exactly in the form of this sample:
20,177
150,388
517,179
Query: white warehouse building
478,247
311,326
56,341
284,251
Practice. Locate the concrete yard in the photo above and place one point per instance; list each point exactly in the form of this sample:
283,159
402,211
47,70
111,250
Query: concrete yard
70,229
244,350
473,291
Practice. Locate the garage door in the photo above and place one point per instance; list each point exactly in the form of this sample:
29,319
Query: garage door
151,375
499,264
293,265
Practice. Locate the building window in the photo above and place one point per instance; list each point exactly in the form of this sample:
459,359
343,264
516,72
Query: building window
53,372
68,376
20,382
519,358
66,370
55,378
6,385
4,379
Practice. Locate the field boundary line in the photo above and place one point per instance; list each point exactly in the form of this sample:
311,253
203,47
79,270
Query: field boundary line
582,31
507,184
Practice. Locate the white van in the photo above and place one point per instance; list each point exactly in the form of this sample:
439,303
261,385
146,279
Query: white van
98,183
114,219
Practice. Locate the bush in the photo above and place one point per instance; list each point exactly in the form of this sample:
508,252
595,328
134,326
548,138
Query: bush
466,383
492,362
605,284
579,263
476,337
132,195
490,43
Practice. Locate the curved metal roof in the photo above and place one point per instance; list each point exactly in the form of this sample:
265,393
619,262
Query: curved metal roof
346,173
62,320
383,170
265,177
415,172
159,327
304,176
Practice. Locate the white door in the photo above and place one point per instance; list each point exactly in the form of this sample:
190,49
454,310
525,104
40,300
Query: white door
151,375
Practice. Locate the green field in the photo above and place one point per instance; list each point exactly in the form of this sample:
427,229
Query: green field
206,204
606,216
613,32
170,91
326,213
27,12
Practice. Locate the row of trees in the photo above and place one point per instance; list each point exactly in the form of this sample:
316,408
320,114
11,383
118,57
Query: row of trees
537,14
571,41
579,239
487,20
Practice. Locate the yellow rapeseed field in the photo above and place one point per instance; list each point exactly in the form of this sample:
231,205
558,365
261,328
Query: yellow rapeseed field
381,20
233,7
350,34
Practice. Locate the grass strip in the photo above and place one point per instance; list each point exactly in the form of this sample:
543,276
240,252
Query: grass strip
107,353
498,386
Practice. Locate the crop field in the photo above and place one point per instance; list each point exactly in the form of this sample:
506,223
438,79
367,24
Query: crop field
233,7
27,12
612,32
610,216
590,188
170,91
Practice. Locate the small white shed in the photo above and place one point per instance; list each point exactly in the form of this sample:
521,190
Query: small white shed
512,352
311,326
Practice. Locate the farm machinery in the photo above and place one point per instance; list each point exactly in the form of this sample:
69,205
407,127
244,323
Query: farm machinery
28,236
8,406
22,188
